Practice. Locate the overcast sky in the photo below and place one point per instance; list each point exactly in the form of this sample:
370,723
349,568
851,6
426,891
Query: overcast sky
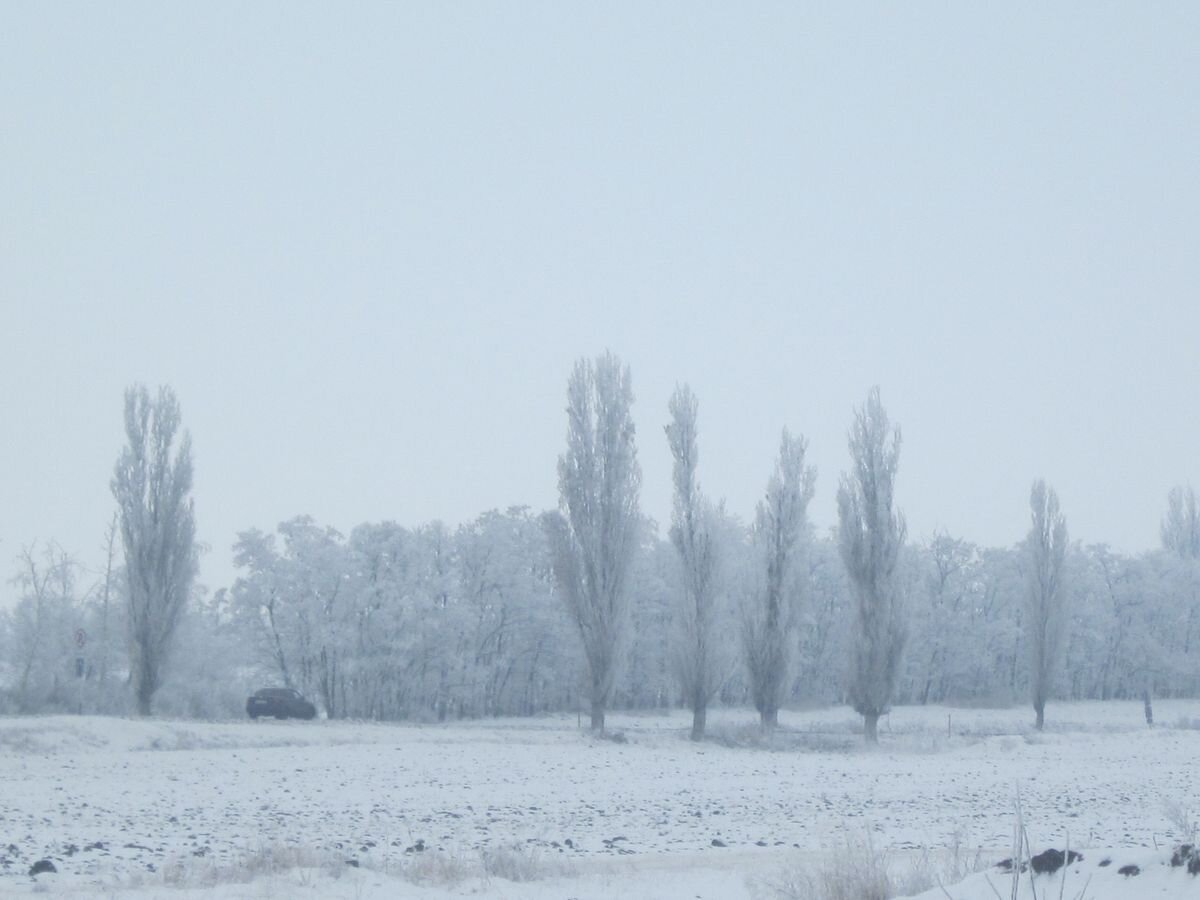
365,243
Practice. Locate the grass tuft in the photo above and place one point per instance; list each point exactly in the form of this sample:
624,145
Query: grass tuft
860,870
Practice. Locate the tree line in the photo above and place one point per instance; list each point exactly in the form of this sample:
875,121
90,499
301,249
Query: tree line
587,608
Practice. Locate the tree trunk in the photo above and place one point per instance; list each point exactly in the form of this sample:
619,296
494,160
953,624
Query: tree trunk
144,695
1040,708
769,717
145,683
598,716
1149,708
871,727
699,718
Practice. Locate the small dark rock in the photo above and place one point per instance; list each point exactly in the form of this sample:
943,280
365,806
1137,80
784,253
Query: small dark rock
717,842
352,862
42,865
1105,862
1050,861
1129,871
569,843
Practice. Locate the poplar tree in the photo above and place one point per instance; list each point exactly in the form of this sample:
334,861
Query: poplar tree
1045,594
152,485
595,533
780,524
871,536
696,652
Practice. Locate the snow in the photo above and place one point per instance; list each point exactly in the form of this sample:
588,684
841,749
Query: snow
136,806
1099,875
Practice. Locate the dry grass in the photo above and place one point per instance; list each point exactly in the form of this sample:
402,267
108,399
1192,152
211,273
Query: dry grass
859,870
522,863
265,860
516,863
437,868
1184,824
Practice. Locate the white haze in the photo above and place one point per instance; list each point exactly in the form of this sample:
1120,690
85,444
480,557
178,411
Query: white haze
366,245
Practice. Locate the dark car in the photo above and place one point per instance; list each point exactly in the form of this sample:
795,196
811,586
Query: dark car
282,703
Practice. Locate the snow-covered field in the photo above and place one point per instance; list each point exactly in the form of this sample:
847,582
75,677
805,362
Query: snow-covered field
180,809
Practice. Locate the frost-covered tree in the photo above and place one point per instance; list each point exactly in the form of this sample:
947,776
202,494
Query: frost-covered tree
646,678
398,623
870,536
511,628
1181,525
42,623
594,534
385,621
297,605
941,621
770,605
1115,644
1045,594
822,628
153,484
697,657
1181,540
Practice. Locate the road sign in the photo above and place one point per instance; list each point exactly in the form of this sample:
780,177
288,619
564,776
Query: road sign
80,637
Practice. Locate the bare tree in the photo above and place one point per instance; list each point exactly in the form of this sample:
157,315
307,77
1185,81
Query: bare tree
595,533
769,611
1045,594
106,589
870,537
697,659
152,484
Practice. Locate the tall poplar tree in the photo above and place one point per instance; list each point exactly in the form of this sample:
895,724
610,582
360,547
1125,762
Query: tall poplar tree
594,534
152,485
870,537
